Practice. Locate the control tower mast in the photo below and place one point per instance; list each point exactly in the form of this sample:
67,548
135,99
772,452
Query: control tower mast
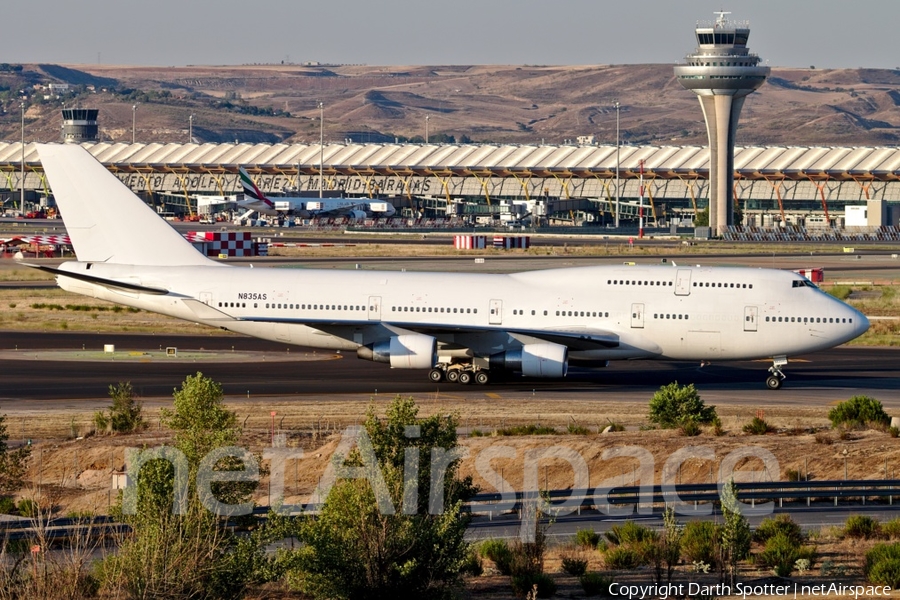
722,72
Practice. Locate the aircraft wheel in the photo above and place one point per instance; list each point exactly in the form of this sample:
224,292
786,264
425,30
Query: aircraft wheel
773,382
482,378
453,375
436,375
465,378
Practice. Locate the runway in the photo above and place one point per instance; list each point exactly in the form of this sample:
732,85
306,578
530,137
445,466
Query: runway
269,369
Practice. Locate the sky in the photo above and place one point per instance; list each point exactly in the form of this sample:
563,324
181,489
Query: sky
785,33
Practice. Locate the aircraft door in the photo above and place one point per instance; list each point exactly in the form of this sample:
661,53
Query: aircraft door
751,314
496,312
683,282
637,316
374,308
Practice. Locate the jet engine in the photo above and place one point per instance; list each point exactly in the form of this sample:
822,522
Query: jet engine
412,351
534,360
357,214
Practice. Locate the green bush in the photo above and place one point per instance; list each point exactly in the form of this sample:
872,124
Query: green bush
779,524
574,566
473,565
880,553
672,404
699,543
498,552
7,505
862,527
526,430
587,538
574,429
28,508
525,583
689,428
623,558
841,292
595,584
781,554
859,411
758,427
886,572
891,529
629,532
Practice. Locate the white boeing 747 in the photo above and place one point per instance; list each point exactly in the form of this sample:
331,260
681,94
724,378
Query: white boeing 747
356,208
461,327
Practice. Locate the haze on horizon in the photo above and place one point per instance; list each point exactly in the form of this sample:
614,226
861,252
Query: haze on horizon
800,33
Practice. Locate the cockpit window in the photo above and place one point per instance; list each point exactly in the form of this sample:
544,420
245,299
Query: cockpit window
802,283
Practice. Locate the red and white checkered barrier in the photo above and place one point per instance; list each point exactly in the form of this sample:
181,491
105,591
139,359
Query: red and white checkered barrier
228,243
816,275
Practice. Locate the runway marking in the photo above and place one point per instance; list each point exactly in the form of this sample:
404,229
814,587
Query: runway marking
793,360
493,395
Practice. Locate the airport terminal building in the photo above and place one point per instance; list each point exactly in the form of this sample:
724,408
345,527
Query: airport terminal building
546,184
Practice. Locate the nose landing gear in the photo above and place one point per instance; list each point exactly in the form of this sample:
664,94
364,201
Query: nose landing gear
777,377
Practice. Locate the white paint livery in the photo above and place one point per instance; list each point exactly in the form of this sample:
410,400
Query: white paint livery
462,326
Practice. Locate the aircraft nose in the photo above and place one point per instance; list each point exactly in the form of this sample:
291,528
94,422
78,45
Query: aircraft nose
862,323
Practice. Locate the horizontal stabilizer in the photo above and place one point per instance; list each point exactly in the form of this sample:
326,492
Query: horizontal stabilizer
110,283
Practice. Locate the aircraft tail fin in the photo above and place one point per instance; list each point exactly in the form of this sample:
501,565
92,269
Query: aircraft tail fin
250,189
105,220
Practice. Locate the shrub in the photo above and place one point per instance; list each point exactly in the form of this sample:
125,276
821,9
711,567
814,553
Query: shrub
891,529
587,538
859,411
886,572
861,527
7,505
672,404
28,508
614,427
526,430
699,544
541,582
782,523
793,475
758,427
629,532
894,431
574,429
781,554
622,558
574,566
498,552
718,431
841,292
595,584
878,554
689,428
473,565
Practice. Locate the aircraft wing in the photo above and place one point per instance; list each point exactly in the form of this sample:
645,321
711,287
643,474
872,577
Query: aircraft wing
575,338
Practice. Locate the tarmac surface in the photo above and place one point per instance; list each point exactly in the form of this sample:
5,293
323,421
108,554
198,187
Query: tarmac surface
39,367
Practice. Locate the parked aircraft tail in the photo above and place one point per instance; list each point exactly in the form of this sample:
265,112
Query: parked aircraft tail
251,191
105,220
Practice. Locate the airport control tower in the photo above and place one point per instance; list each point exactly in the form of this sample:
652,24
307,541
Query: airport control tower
722,72
80,125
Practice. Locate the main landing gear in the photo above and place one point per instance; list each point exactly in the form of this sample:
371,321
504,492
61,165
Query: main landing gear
459,373
774,381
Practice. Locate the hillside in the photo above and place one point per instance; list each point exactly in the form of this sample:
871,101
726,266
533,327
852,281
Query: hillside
507,104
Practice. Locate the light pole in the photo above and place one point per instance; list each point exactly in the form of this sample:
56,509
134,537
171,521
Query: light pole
617,164
190,129
133,113
426,127
22,207
321,148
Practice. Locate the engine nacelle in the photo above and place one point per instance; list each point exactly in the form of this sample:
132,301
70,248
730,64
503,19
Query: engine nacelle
358,214
412,351
534,360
